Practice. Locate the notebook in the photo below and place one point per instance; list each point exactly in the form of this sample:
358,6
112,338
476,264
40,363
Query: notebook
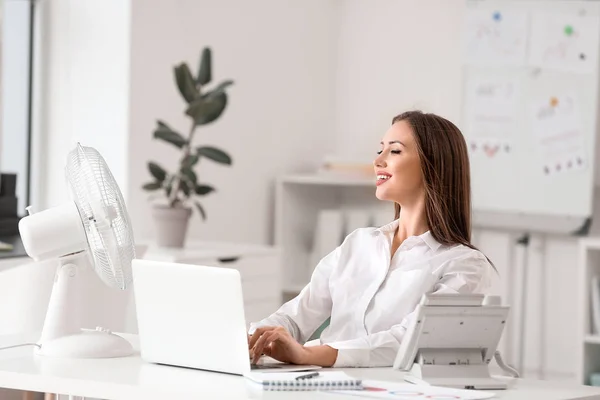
328,380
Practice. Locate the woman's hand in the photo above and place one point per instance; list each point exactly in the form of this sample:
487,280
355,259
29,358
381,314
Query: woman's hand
276,342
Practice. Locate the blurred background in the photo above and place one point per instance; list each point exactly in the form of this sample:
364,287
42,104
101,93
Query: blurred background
280,161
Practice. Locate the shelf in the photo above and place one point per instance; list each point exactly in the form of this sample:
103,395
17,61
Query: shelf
592,243
330,179
592,339
195,249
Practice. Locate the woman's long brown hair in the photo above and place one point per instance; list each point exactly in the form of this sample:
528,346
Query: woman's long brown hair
446,175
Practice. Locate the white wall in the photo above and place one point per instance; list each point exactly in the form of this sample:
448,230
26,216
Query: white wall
396,56
83,89
279,118
307,76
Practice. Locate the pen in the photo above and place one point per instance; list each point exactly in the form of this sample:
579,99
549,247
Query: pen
307,376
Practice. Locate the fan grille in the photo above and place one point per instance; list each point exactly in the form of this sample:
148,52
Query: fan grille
103,214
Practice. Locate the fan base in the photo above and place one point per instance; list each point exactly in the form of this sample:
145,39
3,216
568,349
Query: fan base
98,343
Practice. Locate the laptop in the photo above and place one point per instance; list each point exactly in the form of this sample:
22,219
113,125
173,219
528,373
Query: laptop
193,316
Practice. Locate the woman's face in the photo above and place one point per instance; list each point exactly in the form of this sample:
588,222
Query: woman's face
398,167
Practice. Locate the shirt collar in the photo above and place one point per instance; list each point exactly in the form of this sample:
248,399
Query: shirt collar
426,237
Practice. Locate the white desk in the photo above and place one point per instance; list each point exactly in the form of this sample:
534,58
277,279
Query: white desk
132,379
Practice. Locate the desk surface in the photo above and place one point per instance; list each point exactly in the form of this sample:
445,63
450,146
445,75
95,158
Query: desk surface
131,378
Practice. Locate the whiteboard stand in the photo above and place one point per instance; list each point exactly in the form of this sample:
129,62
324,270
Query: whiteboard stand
523,241
543,310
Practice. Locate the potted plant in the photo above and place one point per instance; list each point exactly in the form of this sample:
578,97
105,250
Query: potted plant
183,187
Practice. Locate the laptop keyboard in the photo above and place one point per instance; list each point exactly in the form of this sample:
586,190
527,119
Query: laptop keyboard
271,366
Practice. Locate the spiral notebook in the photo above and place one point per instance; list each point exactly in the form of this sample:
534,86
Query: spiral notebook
328,380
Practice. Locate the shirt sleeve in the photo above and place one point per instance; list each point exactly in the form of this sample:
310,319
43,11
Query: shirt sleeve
470,274
302,315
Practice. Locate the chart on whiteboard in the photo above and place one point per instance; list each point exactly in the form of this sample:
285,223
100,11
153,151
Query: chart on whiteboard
490,123
564,43
495,37
557,133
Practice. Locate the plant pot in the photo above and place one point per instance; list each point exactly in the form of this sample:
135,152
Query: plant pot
171,225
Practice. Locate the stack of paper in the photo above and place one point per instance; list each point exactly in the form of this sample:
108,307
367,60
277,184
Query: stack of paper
402,391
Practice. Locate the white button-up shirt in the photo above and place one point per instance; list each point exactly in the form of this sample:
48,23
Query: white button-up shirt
371,296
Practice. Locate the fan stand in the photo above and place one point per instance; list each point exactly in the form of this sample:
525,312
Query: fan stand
62,335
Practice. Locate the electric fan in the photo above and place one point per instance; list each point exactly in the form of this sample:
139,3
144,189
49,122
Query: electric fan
92,230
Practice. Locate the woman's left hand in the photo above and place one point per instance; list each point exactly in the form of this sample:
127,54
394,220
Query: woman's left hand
276,342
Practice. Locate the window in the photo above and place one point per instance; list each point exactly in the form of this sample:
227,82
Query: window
15,94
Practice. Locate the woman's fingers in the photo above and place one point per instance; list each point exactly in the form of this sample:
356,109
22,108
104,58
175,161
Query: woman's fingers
264,337
267,340
270,342
257,334
258,343
264,341
254,337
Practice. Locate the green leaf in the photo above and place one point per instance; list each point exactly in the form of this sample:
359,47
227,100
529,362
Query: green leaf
214,154
167,134
185,83
205,70
191,175
157,171
190,161
218,102
152,186
218,89
205,110
183,185
201,210
169,186
201,190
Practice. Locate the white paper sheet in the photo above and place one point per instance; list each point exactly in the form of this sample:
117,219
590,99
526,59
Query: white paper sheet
496,37
558,137
491,115
409,391
564,42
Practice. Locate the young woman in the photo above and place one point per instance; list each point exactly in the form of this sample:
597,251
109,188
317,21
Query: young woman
371,284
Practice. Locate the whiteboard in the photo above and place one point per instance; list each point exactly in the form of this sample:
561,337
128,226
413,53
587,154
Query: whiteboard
529,111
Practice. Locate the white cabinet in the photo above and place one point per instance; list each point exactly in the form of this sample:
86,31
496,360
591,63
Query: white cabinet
259,267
